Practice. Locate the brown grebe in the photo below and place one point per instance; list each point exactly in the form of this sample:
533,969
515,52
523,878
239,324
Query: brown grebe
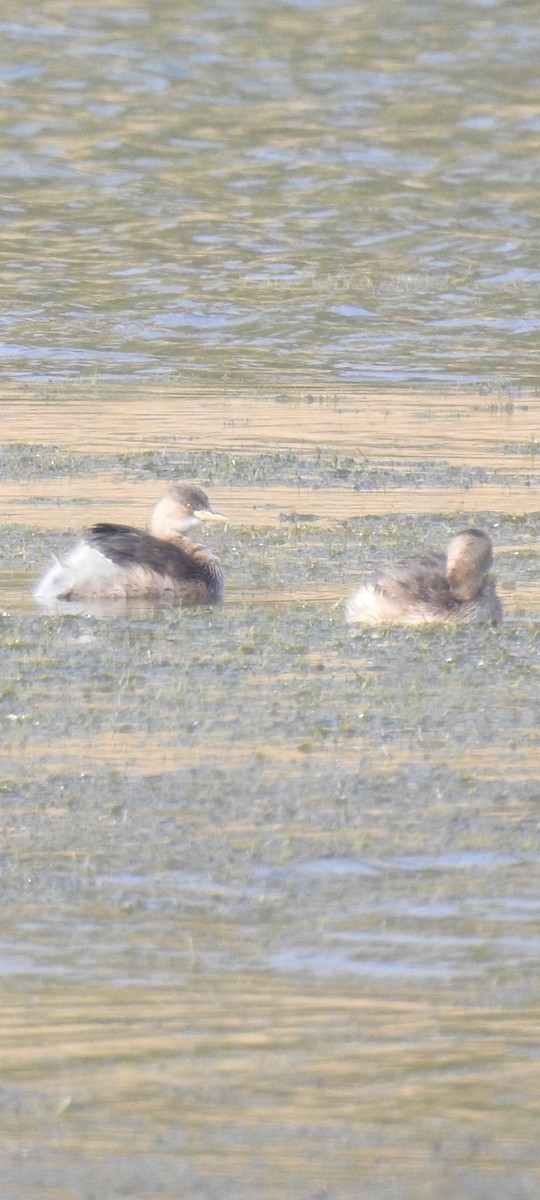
432,587
119,561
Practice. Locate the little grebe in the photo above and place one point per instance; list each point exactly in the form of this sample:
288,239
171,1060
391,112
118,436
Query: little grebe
119,561
432,587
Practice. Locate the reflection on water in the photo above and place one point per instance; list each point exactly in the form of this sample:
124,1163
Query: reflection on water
123,749
295,192
232,1088
41,505
456,428
372,441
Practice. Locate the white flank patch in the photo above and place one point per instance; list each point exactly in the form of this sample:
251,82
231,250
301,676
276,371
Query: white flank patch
363,607
85,571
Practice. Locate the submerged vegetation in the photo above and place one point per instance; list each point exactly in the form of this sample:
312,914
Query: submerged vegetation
307,470
209,803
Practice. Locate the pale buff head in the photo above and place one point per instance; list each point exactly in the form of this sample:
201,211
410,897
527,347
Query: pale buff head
181,508
469,558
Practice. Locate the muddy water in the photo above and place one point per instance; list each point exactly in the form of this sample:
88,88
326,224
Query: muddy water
270,911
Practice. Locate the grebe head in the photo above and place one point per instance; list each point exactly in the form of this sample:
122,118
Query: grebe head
469,558
181,508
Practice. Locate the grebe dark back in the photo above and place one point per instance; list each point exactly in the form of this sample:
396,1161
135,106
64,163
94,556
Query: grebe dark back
119,561
432,587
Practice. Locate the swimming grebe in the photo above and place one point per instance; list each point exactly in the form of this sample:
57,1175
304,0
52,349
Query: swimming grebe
432,587
118,561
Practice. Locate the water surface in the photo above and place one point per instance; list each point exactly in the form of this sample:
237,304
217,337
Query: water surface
270,910
299,192
269,886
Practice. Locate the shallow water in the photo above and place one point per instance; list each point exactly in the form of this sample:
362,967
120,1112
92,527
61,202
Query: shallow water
270,910
269,885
